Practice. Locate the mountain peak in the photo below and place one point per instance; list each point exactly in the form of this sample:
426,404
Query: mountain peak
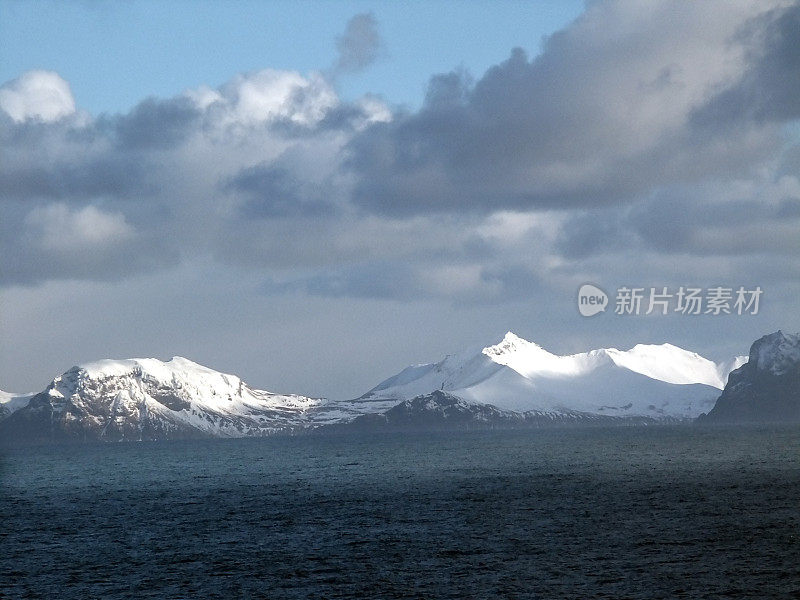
521,355
512,337
776,352
767,387
163,370
510,344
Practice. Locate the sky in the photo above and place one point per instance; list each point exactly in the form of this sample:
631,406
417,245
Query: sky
314,195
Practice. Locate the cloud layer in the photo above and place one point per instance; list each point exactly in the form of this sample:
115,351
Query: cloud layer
656,144
628,121
622,102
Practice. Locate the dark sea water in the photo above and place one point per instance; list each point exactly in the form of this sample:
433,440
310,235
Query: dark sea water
674,512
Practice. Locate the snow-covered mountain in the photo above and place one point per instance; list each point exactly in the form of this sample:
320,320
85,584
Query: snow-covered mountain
658,381
512,383
767,388
12,402
146,398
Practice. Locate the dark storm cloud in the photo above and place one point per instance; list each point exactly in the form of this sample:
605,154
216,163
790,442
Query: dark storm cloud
272,191
66,160
592,232
770,90
134,190
685,222
113,176
503,281
155,124
602,116
669,222
77,204
360,45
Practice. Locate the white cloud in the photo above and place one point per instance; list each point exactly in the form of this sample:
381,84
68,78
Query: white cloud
57,227
269,95
42,95
375,110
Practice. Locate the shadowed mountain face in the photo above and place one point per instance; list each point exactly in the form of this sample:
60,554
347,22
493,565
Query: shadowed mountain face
440,410
766,389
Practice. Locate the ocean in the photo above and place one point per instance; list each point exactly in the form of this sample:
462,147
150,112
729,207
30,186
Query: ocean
627,512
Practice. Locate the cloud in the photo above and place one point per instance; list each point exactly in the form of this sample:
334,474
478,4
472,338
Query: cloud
768,91
69,177
374,280
530,177
275,95
56,241
155,124
605,114
198,170
456,281
734,218
360,45
57,227
272,191
41,95
592,232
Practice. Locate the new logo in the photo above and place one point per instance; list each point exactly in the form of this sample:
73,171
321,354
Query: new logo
591,300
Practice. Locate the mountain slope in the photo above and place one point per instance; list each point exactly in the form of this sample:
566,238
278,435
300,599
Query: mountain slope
443,411
658,381
766,389
149,399
10,403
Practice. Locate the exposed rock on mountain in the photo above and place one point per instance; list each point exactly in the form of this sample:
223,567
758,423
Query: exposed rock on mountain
766,389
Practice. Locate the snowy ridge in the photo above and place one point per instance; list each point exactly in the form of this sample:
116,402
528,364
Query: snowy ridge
663,362
145,398
10,402
208,388
658,381
505,384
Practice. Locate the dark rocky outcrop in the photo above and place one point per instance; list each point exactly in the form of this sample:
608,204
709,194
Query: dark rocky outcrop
766,389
